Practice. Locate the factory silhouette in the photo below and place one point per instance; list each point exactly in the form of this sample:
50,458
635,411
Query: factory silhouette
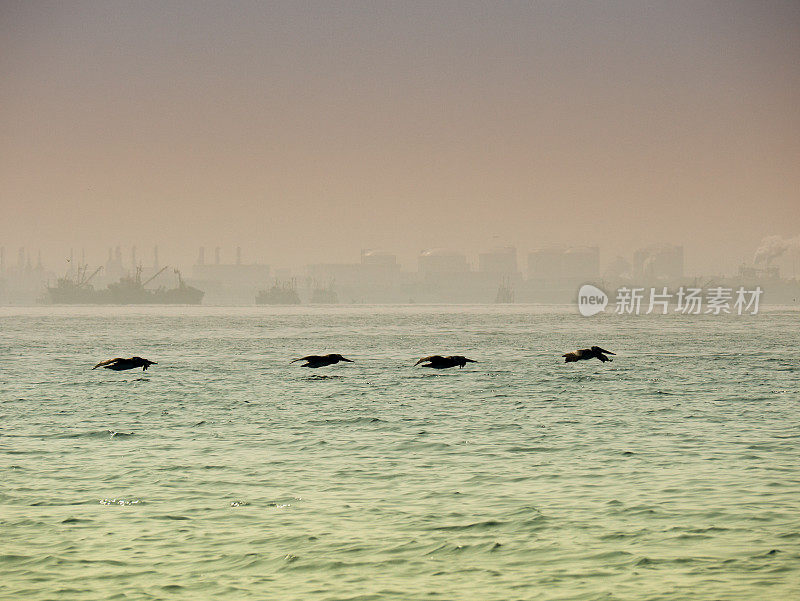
550,274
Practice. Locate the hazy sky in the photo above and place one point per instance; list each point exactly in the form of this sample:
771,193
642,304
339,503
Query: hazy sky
305,131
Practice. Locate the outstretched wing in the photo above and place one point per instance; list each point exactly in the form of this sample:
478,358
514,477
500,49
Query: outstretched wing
461,358
108,362
309,358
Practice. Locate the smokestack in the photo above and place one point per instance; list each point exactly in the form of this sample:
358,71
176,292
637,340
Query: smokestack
118,255
216,255
155,258
238,255
133,257
39,265
201,256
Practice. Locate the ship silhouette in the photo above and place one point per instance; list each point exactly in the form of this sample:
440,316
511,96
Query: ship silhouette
129,290
323,295
281,293
505,292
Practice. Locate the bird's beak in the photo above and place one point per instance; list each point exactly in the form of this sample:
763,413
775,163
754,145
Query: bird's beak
348,360
470,360
607,352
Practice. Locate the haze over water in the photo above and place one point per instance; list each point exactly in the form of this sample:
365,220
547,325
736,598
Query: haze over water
306,131
224,472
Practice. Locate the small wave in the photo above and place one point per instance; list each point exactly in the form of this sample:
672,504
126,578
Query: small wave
10,558
485,525
790,535
60,503
624,535
95,434
115,434
124,502
348,420
493,427
458,549
690,537
419,446
604,556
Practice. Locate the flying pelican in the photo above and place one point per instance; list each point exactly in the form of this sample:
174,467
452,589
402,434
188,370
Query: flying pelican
120,364
585,354
314,361
439,362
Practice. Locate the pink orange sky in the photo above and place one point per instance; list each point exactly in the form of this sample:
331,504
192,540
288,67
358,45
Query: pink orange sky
304,132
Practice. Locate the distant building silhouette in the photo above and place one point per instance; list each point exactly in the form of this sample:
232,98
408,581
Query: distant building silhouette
659,262
24,283
439,261
502,260
229,283
374,279
564,265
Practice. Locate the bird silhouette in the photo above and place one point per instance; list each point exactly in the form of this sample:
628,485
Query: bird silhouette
120,364
585,354
439,362
315,361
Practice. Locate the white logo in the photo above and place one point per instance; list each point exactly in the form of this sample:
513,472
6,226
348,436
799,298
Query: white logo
591,300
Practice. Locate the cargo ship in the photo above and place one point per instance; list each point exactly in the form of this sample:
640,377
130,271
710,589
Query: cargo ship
324,295
75,290
129,290
281,293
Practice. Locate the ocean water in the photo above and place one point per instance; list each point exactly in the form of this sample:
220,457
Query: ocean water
226,473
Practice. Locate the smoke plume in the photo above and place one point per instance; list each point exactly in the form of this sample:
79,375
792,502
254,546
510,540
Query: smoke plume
773,247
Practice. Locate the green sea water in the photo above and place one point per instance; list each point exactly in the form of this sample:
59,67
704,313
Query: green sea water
226,473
